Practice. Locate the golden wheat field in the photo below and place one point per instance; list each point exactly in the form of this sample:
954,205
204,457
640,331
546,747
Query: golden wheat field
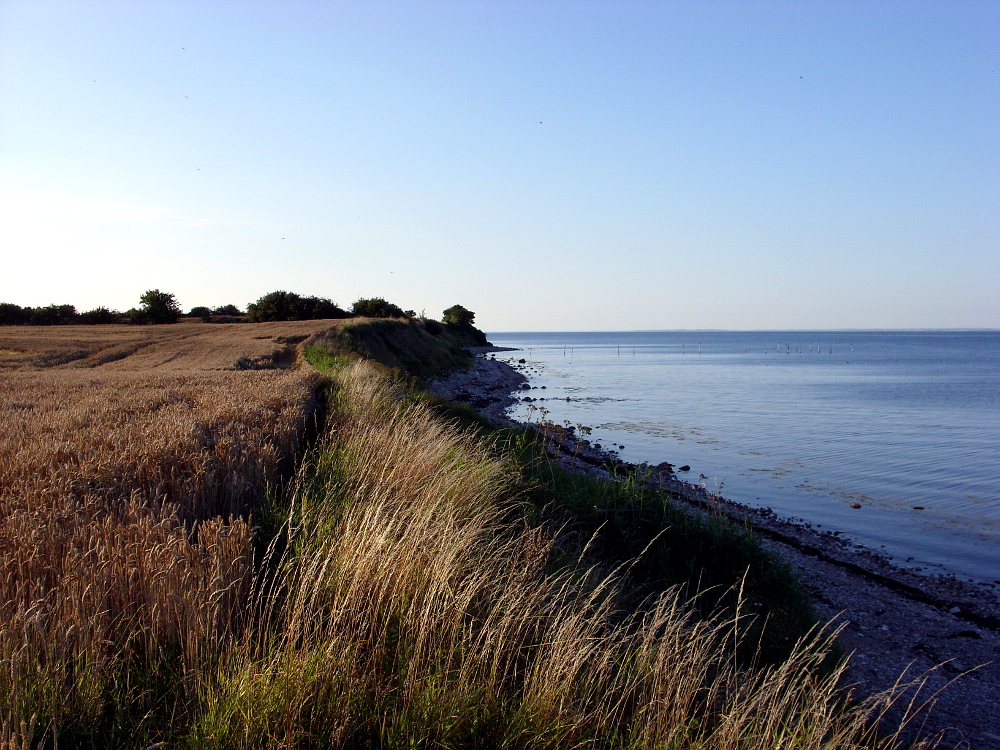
130,459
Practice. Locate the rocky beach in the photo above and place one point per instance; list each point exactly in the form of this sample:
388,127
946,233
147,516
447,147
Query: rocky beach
936,628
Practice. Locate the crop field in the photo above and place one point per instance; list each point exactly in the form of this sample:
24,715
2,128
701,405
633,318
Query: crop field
131,459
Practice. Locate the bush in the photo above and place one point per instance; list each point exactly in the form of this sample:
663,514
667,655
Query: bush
160,307
100,316
13,315
376,307
227,310
53,315
201,312
456,314
136,317
320,308
283,305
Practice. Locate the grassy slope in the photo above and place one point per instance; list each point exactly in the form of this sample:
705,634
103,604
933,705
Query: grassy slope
416,347
426,601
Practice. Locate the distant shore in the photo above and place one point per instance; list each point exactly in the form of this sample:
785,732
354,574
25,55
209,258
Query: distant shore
894,618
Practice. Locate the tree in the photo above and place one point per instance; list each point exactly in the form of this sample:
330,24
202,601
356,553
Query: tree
13,315
160,307
201,312
136,317
321,308
278,305
53,315
283,305
456,314
376,307
227,310
100,315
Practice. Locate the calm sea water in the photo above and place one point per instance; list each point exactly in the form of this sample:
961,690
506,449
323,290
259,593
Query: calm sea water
805,423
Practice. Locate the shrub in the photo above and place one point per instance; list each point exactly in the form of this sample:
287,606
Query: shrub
227,310
320,308
376,307
52,315
136,317
13,315
200,312
283,305
100,315
458,314
160,307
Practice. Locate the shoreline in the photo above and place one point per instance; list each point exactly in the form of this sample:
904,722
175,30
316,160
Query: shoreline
894,619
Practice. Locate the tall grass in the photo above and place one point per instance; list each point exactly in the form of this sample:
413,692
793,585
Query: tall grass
125,550
413,606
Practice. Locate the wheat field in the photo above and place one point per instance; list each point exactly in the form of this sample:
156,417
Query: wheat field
130,462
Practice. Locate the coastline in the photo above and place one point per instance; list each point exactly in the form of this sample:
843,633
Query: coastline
894,619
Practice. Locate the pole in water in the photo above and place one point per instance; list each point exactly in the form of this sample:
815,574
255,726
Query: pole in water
633,351
619,350
682,348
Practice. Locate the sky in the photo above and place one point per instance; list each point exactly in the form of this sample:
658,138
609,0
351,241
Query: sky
553,166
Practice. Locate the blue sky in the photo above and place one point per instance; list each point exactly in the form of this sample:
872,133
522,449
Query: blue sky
550,165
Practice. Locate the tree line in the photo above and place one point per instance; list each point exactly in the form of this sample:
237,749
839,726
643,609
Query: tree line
157,307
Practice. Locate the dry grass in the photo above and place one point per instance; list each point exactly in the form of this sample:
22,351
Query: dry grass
125,545
184,346
413,610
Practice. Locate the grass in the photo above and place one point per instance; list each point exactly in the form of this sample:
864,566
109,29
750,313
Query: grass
422,581
126,534
416,604
420,348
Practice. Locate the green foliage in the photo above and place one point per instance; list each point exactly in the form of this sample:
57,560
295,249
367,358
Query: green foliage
456,314
159,307
227,310
13,315
325,359
712,557
54,315
404,344
376,307
200,312
50,315
136,317
100,316
282,305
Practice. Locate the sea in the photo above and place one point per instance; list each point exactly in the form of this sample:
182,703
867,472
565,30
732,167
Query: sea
889,438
